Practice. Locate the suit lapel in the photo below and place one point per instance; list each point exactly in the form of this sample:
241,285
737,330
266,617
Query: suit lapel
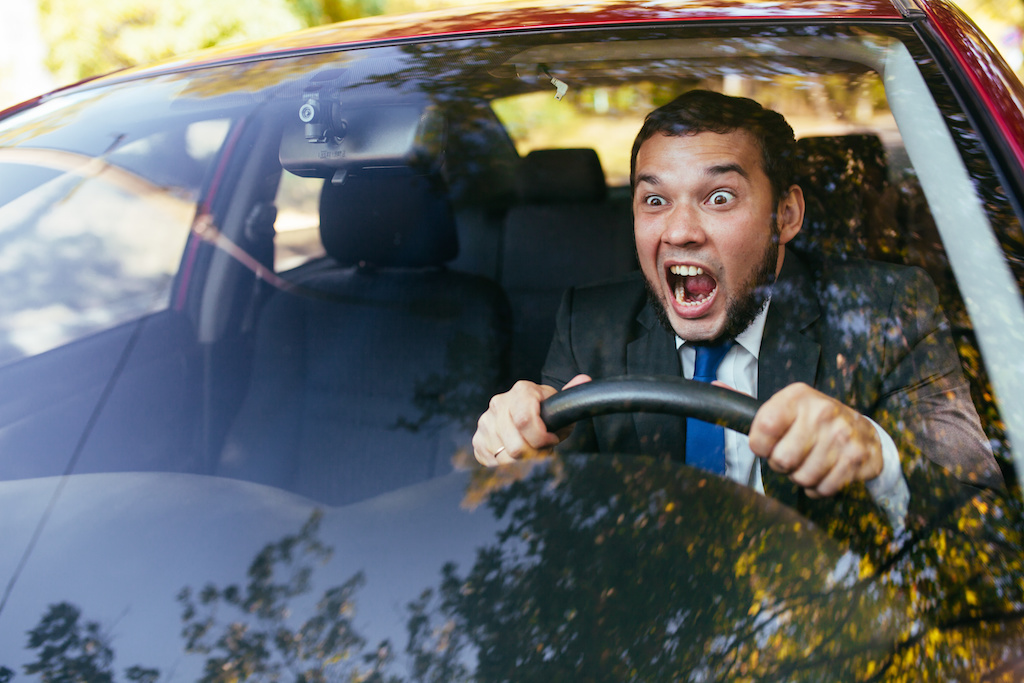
653,352
789,351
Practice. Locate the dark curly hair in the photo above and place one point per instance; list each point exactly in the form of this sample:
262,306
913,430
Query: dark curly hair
700,111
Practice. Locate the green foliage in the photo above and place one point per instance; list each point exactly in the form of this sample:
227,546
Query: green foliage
259,643
70,651
634,570
317,12
86,38
637,571
436,650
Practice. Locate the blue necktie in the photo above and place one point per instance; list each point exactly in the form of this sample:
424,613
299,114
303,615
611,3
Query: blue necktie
705,443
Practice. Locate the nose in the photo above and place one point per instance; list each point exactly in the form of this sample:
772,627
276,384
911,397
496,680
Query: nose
684,227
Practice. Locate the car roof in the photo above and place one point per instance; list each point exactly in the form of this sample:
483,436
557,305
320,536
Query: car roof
520,16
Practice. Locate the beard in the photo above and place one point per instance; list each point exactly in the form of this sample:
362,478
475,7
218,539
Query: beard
741,309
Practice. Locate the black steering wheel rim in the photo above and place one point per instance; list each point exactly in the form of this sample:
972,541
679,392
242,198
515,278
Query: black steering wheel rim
651,394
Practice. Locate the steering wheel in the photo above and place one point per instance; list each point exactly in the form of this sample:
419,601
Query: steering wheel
652,394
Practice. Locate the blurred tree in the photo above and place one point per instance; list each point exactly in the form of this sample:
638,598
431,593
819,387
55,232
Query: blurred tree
260,643
1003,23
70,651
317,12
87,39
617,568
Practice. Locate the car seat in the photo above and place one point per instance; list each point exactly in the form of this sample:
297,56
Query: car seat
852,208
370,372
563,232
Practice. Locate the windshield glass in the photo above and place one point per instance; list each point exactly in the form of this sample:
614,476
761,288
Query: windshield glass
254,313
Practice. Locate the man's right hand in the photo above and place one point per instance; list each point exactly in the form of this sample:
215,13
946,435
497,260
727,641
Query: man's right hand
511,428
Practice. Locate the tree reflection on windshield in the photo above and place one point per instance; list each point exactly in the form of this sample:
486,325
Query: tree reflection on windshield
731,587
613,568
639,570
262,643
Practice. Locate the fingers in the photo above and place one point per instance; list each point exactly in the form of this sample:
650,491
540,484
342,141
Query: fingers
723,385
821,444
511,427
576,381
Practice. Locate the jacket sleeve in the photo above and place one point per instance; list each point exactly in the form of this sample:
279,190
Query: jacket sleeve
924,402
560,367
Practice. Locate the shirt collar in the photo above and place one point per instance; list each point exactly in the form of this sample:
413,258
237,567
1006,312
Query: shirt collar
750,338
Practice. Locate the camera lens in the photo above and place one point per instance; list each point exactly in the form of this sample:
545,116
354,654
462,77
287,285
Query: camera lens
307,112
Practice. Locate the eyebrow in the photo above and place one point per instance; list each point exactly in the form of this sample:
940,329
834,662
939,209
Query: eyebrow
647,178
710,172
722,169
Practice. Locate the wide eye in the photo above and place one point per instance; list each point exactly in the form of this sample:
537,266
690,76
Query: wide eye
654,200
720,197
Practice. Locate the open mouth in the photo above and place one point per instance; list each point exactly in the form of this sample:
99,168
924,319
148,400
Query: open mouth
691,285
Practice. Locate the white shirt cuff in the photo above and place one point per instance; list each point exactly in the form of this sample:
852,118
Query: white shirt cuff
889,489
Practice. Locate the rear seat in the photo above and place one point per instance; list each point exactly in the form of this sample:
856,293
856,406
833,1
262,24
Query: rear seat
563,232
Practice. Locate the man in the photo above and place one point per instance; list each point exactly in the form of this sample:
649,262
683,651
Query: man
855,361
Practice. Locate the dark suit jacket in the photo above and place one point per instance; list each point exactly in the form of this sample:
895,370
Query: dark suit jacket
868,334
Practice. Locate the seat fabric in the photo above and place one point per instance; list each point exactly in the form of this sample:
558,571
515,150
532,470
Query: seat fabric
564,232
370,374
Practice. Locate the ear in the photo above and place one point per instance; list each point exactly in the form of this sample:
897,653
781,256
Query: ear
790,214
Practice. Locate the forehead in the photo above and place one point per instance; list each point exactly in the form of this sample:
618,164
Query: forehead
701,153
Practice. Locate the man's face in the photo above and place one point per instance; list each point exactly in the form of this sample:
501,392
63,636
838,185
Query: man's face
703,223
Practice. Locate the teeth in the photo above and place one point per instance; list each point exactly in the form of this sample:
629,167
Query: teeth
680,294
680,288
686,270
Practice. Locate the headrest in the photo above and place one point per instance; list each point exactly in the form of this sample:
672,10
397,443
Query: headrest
844,178
859,156
562,175
388,217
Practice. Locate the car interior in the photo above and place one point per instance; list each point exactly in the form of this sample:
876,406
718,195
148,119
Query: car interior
446,271
384,245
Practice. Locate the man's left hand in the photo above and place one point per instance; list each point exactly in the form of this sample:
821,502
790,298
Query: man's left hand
819,443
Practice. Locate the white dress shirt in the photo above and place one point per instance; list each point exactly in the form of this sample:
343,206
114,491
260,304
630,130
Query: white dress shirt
739,370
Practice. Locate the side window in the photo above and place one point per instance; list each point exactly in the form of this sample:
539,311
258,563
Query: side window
972,245
297,228
90,242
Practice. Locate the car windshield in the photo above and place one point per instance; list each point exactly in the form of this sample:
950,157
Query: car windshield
253,312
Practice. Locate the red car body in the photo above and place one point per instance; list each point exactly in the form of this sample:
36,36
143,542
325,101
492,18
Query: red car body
256,298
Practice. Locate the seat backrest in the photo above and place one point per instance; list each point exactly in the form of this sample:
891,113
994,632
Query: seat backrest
851,206
370,376
564,232
389,217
